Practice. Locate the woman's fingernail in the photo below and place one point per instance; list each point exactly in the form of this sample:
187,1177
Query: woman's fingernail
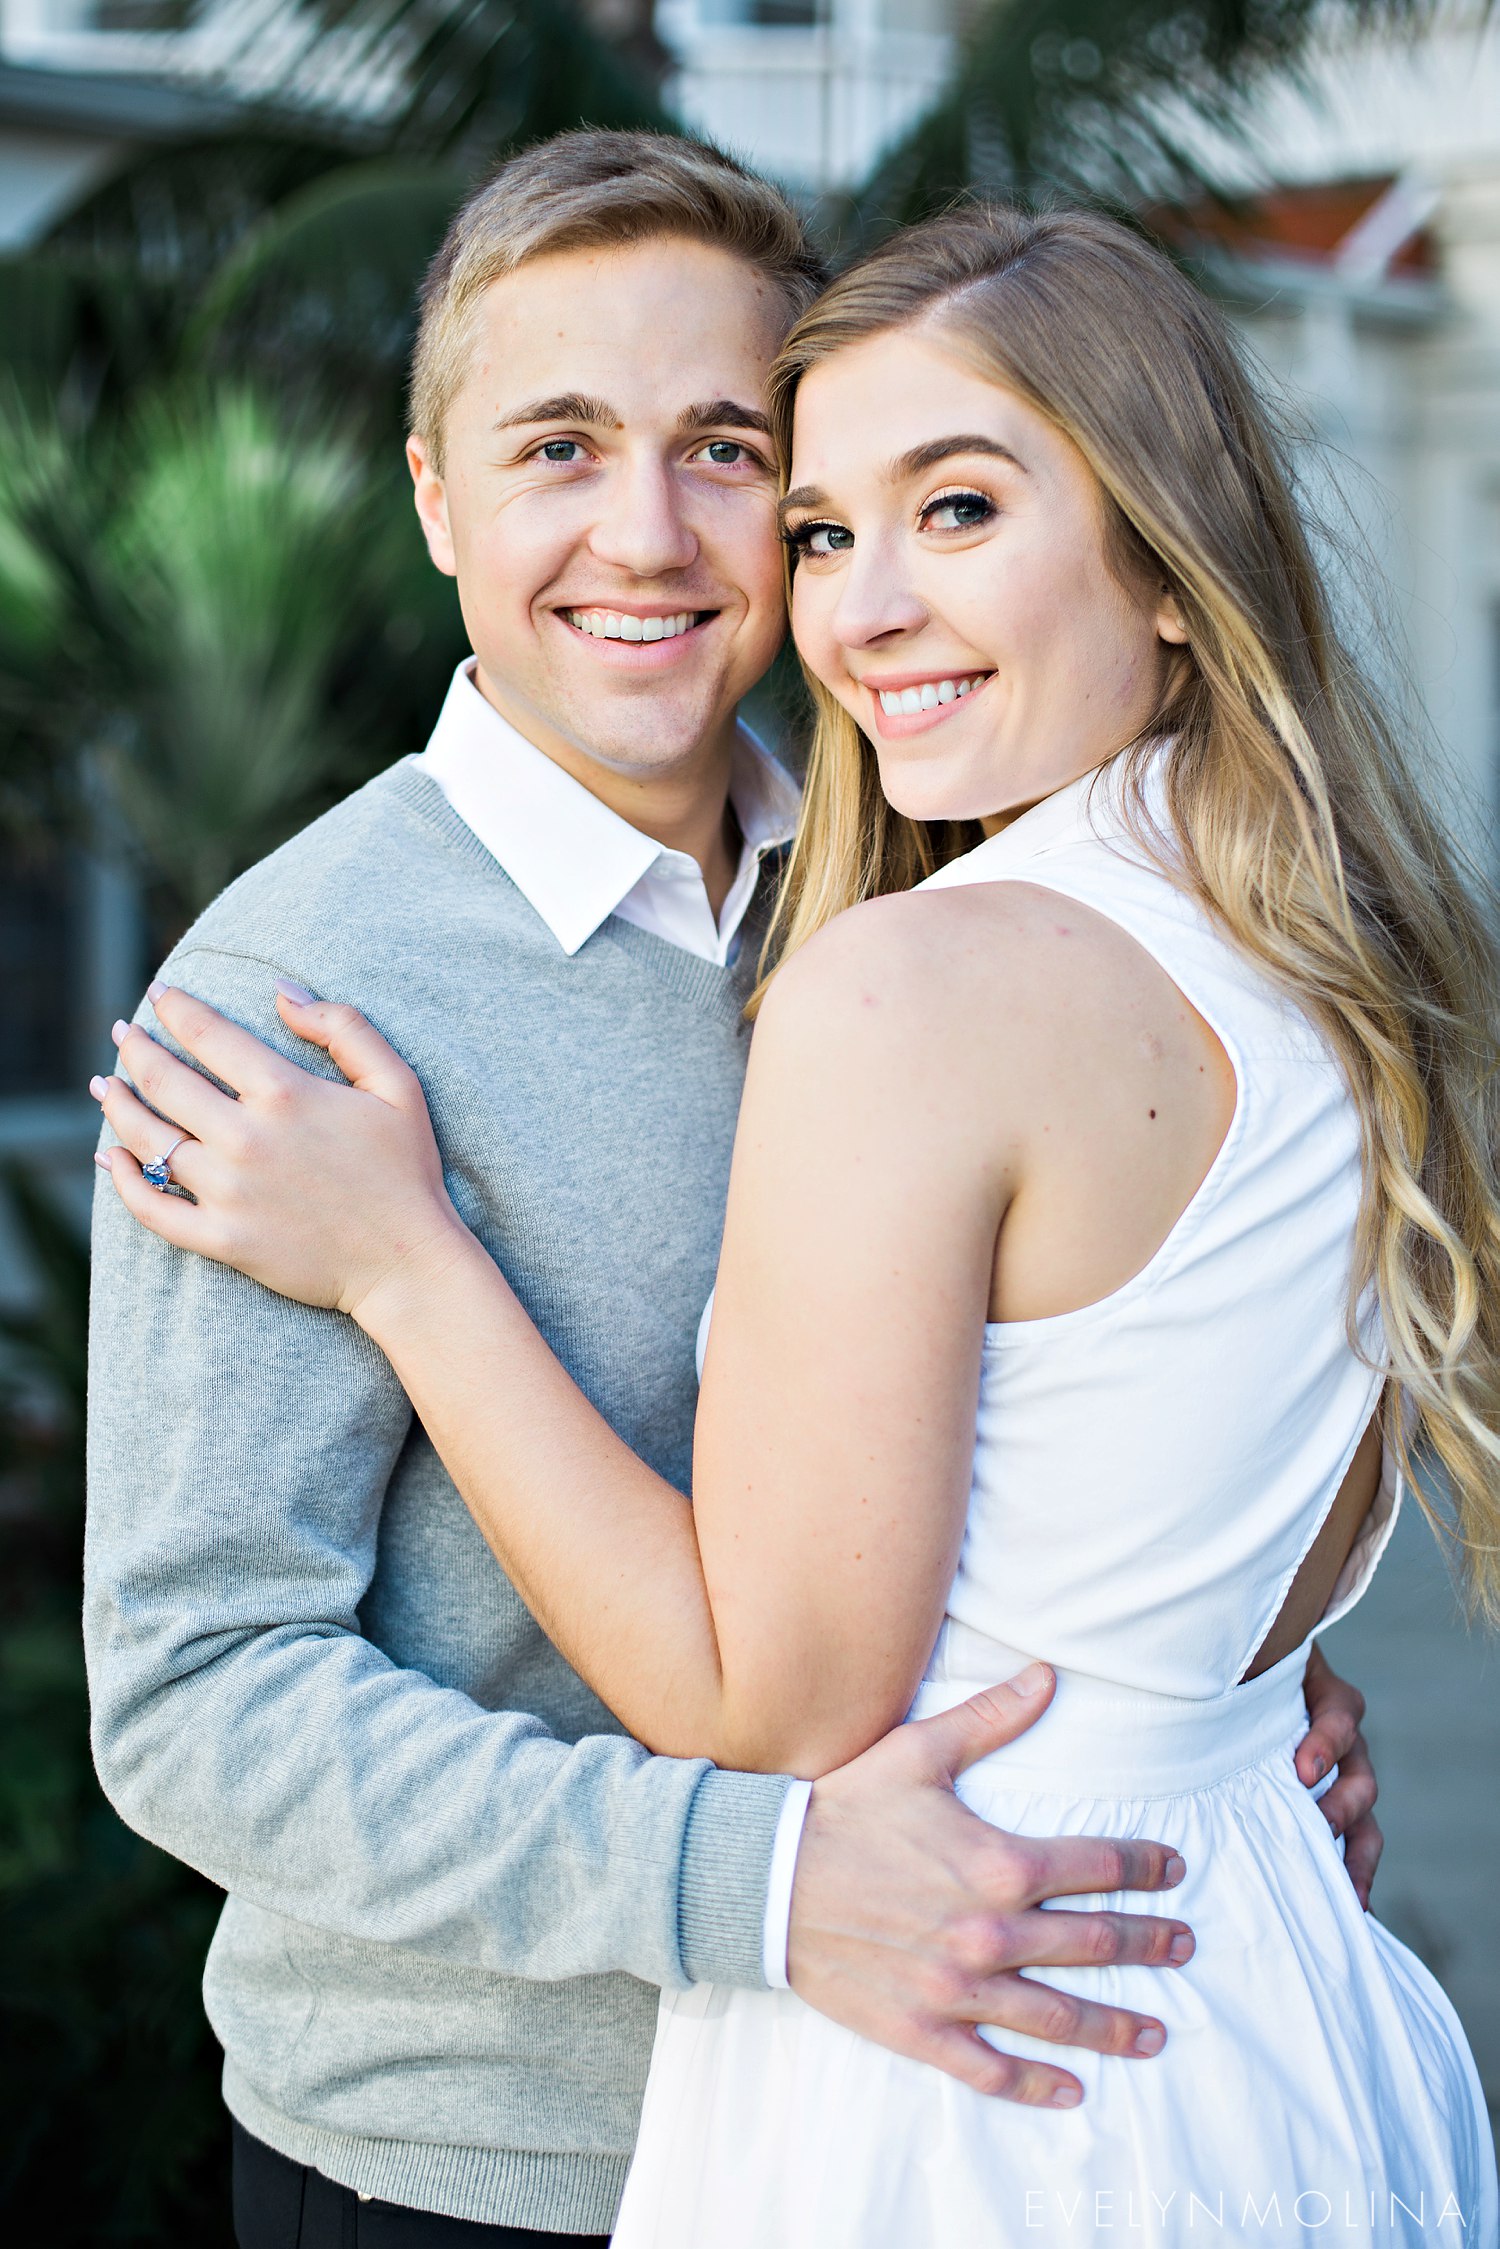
1066,2096
1175,1870
154,991
117,1030
103,1162
98,1087
294,992
1030,1682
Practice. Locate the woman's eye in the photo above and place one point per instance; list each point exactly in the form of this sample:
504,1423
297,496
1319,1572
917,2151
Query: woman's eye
820,539
957,511
563,449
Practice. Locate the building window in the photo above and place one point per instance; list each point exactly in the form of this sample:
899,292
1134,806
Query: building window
39,971
141,15
796,15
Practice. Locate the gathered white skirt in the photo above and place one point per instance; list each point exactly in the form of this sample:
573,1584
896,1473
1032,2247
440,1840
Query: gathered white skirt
1315,2087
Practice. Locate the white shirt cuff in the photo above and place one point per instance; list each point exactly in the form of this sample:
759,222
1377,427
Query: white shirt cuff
784,1850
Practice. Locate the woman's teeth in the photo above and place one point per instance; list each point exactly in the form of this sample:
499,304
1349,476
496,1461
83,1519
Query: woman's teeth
603,624
900,702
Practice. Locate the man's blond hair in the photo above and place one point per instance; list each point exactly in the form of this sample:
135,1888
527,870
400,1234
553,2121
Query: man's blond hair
591,190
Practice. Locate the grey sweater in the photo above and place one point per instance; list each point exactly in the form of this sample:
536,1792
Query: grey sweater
453,1882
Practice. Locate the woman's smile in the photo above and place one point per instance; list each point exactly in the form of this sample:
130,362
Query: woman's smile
910,702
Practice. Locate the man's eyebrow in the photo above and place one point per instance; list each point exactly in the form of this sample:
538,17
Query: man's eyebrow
723,413
943,448
570,406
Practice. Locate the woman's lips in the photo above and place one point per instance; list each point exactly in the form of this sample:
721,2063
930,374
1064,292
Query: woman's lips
923,702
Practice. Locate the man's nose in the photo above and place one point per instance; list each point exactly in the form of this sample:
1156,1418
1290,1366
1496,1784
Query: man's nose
642,526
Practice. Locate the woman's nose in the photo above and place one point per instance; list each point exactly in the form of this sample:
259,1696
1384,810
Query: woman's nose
642,527
876,601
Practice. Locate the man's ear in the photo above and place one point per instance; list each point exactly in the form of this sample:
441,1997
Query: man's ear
430,497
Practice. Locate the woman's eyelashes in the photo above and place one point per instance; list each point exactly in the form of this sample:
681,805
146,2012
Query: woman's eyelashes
956,511
817,539
961,510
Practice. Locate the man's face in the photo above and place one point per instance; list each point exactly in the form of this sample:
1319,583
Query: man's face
608,501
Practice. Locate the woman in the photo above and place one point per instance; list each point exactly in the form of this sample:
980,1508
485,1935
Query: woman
1087,1193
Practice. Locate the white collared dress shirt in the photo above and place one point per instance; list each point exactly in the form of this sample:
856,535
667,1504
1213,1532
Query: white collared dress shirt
576,863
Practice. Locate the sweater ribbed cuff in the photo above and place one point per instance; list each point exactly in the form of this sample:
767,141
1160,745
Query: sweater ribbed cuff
726,1871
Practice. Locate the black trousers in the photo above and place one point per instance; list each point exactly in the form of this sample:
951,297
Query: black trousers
283,2205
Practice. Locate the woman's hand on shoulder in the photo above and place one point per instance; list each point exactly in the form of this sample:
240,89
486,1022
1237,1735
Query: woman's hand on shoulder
320,1189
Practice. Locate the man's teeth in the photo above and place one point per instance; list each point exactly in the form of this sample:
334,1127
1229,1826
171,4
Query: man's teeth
604,624
900,702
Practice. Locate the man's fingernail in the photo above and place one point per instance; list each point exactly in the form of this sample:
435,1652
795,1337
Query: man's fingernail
1181,1949
1066,2096
98,1087
1150,2040
154,991
1175,1870
117,1030
293,992
1030,1682
1320,1767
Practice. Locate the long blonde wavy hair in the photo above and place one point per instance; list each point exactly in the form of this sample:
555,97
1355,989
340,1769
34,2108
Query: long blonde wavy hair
1296,819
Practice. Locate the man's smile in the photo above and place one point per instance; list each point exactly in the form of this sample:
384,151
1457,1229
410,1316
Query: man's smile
646,636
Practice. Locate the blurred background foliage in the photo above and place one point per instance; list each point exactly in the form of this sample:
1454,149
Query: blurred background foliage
216,616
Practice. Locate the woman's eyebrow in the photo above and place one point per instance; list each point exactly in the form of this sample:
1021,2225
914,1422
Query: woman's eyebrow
923,457
805,496
914,463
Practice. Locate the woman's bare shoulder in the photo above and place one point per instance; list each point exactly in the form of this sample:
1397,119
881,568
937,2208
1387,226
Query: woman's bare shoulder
932,965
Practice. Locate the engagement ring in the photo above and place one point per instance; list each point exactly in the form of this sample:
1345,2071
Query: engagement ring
160,1173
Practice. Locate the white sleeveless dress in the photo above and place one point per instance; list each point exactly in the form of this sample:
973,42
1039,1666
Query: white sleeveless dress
1148,1474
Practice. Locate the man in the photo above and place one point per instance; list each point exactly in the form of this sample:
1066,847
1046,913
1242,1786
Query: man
453,1884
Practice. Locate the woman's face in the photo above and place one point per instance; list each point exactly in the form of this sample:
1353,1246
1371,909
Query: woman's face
951,586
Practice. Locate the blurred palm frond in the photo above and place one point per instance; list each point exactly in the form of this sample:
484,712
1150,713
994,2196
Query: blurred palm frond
195,583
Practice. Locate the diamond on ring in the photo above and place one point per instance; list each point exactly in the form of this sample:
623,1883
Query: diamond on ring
159,1173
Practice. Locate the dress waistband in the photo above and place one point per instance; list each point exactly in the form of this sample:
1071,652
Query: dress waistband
1097,1738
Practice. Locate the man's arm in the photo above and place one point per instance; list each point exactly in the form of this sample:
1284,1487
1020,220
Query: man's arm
240,1449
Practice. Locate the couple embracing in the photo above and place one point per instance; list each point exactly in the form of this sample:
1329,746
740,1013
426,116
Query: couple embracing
1112,1214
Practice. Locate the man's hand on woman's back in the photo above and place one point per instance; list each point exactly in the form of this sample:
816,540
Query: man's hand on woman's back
912,1917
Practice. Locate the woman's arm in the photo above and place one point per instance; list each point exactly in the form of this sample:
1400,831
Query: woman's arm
781,1622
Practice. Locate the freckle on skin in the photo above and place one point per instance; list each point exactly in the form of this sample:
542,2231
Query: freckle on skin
1151,1112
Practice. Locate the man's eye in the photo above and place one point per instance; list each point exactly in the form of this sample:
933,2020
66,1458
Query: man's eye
561,449
725,452
957,511
819,539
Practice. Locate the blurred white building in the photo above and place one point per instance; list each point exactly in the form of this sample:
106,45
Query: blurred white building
812,90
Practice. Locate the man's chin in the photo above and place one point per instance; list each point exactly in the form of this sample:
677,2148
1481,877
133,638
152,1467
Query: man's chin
647,736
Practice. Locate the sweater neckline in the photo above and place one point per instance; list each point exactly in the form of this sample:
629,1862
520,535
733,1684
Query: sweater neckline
721,990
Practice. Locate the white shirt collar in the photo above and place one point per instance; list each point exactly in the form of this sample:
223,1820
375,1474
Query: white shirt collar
574,860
